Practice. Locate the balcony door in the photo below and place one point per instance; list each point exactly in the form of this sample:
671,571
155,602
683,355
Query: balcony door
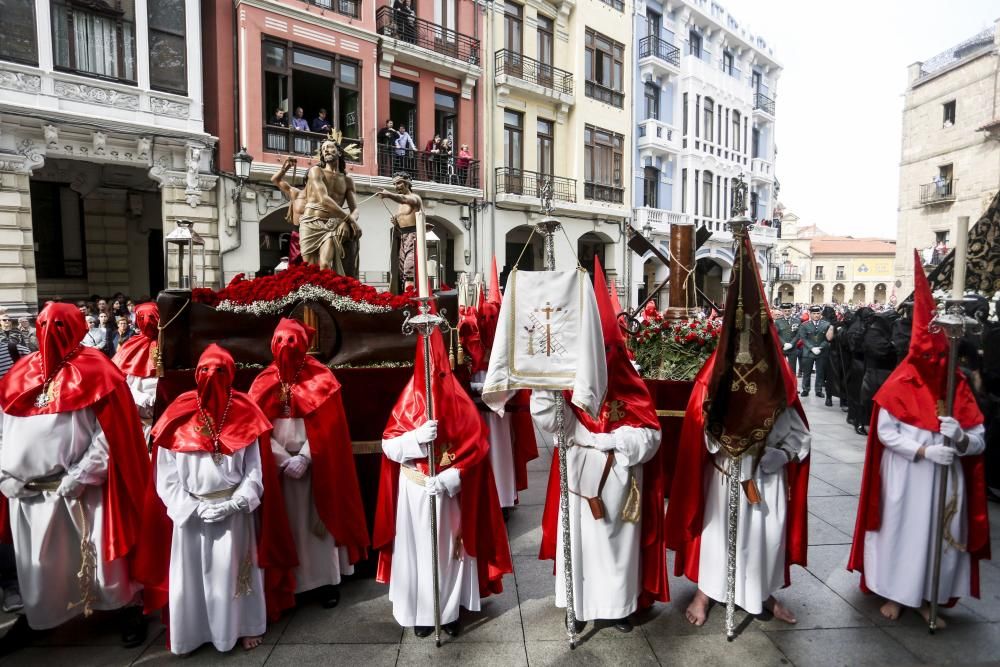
756,83
546,50
546,155
654,23
513,150
513,38
444,17
651,187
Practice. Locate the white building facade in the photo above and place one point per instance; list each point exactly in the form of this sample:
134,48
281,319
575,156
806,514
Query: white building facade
102,146
704,115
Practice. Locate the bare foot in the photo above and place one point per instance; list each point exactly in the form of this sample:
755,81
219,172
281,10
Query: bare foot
250,643
697,611
891,610
925,611
780,611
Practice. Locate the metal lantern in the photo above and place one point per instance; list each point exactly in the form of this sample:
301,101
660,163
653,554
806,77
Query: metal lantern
242,162
184,238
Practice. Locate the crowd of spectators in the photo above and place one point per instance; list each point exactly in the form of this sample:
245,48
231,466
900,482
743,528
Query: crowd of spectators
438,161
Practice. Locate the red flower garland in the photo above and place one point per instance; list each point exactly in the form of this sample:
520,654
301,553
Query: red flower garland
243,292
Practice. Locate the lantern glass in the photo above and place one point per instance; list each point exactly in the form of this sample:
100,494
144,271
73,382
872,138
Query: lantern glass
185,239
242,161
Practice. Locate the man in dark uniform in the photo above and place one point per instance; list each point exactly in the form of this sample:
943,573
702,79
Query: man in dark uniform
788,332
814,350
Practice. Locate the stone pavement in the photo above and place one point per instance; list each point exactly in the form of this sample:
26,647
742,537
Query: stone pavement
838,625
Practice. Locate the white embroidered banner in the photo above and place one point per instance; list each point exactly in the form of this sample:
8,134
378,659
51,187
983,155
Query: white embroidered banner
548,337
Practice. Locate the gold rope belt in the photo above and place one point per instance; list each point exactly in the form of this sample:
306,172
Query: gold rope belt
223,494
414,475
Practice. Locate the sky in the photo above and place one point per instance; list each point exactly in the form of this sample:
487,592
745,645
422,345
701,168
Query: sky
839,99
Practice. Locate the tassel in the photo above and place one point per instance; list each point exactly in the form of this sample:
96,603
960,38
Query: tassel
632,509
739,315
158,356
763,319
451,350
461,353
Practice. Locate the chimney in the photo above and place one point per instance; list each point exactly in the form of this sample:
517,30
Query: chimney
913,72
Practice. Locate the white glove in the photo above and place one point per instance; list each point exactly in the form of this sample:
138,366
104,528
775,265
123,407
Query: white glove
773,460
951,429
787,346
69,487
942,455
434,486
426,432
214,512
476,387
295,466
14,488
817,350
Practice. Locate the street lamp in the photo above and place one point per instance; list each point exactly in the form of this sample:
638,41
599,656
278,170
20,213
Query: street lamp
647,230
243,160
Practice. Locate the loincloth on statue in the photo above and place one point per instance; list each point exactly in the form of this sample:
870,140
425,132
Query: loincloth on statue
407,252
314,231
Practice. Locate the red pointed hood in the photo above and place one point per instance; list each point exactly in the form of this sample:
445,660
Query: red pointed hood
918,386
296,384
289,347
233,418
489,310
627,401
137,356
72,377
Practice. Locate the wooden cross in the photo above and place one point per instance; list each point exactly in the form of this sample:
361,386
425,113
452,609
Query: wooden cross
548,310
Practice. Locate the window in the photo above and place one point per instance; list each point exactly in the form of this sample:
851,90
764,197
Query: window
297,78
446,116
546,146
650,187
17,25
694,44
840,272
736,130
602,164
709,124
95,38
167,46
654,21
513,139
819,273
949,113
706,193
684,113
512,27
546,42
605,67
946,172
942,237
755,144
684,190
652,101
727,62
58,229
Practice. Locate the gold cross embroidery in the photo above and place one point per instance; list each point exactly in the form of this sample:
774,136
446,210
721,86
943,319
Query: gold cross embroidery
548,310
447,458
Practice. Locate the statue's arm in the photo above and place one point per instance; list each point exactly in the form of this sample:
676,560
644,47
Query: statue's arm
351,199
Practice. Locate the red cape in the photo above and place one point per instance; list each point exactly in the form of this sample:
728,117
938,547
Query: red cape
686,509
316,399
462,431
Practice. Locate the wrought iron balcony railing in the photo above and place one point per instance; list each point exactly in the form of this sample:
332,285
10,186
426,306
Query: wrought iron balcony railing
607,193
426,34
530,183
604,94
938,192
350,8
427,166
528,69
764,103
790,277
287,141
651,45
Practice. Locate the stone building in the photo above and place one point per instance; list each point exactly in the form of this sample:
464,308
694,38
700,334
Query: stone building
814,267
950,162
102,146
704,114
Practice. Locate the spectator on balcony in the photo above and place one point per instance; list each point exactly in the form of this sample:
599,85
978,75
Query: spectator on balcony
278,118
431,164
386,138
320,124
299,121
939,185
404,148
406,21
463,162
446,156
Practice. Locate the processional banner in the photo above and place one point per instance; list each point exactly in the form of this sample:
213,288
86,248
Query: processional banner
548,337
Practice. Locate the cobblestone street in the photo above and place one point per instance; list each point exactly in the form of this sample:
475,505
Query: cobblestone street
838,625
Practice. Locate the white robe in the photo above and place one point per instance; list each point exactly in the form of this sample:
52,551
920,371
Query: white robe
501,451
760,535
208,559
48,528
321,561
898,556
411,587
144,394
605,553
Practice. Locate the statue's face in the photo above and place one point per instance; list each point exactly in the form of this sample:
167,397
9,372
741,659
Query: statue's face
402,187
329,151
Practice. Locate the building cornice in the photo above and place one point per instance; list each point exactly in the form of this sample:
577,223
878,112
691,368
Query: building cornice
288,11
